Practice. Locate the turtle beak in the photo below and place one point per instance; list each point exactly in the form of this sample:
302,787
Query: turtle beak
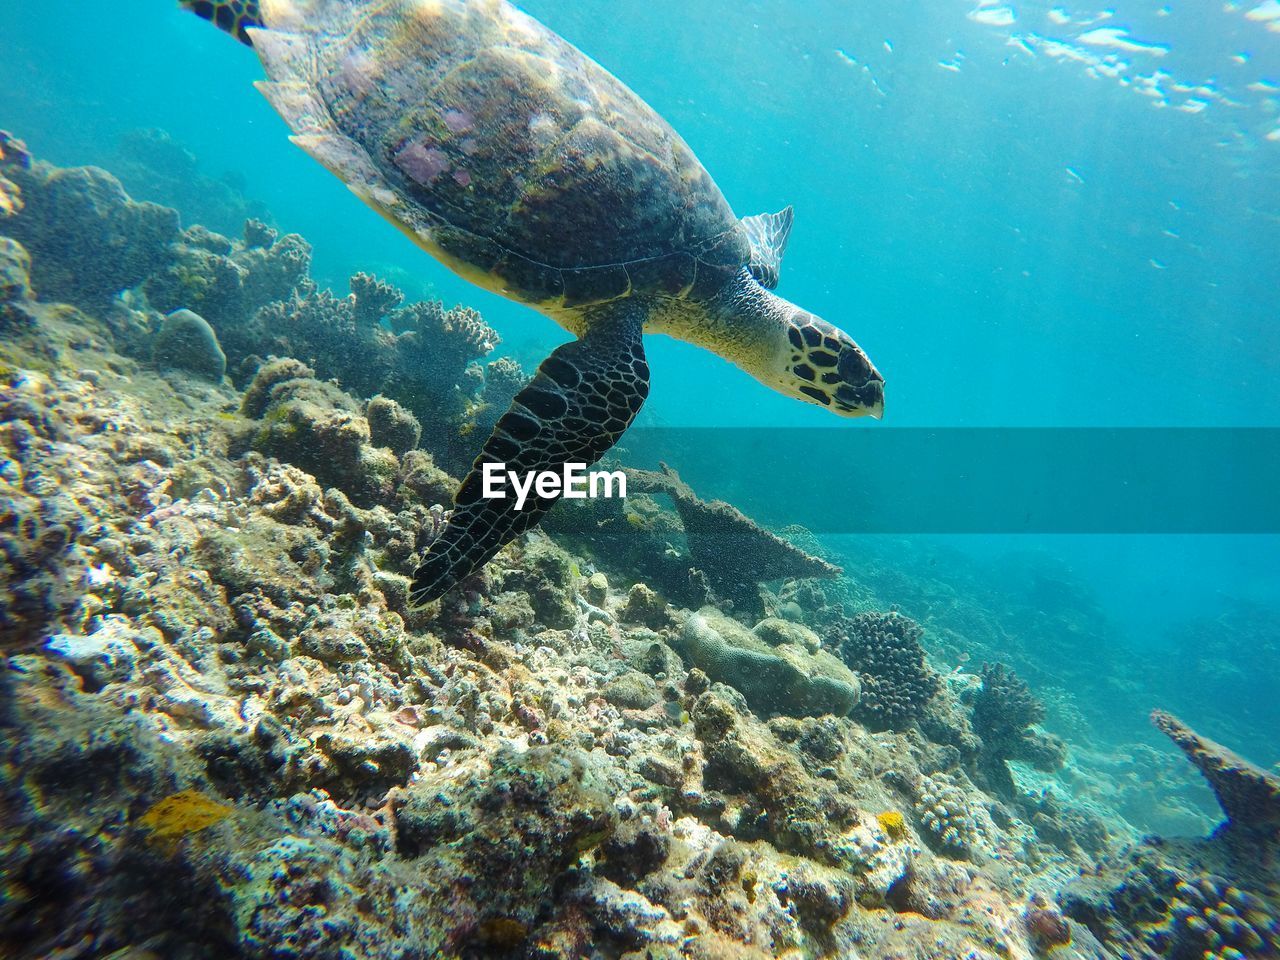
868,399
873,391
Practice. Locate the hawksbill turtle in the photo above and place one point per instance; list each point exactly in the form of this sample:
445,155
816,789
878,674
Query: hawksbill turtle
530,170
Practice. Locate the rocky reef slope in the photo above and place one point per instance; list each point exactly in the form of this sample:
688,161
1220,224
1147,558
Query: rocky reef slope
222,734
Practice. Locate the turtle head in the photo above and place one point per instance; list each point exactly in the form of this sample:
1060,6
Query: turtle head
784,347
822,364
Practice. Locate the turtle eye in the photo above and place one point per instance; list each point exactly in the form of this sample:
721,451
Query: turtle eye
853,366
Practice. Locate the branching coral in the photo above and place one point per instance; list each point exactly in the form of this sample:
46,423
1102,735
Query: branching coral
1003,713
374,299
734,552
1249,795
228,282
885,649
417,355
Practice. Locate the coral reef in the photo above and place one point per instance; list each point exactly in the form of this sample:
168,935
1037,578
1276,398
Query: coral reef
316,426
1004,710
228,282
223,733
87,239
1166,901
944,809
885,650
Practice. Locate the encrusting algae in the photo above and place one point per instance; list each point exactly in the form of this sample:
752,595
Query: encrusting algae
893,823
181,814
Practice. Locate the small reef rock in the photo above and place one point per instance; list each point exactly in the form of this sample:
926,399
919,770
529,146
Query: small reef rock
783,677
185,341
223,732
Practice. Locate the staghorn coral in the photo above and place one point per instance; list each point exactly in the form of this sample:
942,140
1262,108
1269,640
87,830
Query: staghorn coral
734,553
1248,795
885,650
1004,710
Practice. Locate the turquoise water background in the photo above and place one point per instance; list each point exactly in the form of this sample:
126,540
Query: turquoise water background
1034,215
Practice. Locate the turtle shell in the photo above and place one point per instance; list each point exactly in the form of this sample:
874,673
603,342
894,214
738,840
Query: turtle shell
506,152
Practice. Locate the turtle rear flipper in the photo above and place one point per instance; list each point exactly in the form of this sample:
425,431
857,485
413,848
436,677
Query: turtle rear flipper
581,401
768,234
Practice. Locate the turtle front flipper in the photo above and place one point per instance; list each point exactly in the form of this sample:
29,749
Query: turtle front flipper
581,401
236,17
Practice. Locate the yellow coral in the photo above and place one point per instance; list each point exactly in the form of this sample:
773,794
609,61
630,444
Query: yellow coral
182,814
892,823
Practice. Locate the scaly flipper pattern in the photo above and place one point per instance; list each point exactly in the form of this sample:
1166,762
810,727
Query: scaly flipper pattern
581,401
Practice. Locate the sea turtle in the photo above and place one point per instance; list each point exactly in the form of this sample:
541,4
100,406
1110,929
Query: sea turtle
532,171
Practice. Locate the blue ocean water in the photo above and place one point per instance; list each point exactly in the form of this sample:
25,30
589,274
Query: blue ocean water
1028,215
